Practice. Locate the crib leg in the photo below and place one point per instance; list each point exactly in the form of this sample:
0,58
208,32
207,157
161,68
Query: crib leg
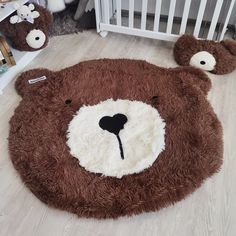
103,34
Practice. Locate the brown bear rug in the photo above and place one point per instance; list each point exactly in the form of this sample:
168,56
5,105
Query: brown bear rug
109,138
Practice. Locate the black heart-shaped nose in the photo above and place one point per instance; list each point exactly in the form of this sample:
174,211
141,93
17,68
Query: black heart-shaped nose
113,124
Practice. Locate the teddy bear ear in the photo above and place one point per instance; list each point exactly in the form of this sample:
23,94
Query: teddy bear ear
184,48
195,77
29,82
31,6
185,41
230,45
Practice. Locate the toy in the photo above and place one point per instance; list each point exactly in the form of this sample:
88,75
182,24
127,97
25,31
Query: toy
24,13
215,57
108,138
28,35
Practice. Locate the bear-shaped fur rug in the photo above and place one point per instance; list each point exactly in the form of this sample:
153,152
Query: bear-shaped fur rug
215,57
28,34
109,138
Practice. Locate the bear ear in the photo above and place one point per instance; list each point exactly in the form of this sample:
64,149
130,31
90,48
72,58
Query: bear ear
185,41
230,45
31,6
195,77
31,81
184,48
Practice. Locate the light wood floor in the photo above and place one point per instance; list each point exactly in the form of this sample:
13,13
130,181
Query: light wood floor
211,210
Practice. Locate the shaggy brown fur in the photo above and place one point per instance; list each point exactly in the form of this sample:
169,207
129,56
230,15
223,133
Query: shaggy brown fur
224,52
38,149
17,32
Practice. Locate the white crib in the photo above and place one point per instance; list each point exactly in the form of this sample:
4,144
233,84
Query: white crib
110,17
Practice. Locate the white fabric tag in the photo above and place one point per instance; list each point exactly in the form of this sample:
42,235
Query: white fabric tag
30,19
36,80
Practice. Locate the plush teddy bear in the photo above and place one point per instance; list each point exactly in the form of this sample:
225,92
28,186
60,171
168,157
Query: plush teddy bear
108,138
28,35
216,57
24,13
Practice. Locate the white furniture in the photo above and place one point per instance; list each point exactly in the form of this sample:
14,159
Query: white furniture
22,58
107,10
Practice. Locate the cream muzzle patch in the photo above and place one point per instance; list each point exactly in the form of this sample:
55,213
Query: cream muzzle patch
116,138
203,60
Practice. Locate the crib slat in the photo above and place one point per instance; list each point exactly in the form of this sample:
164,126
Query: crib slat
171,16
118,12
185,16
199,17
144,14
98,14
157,15
106,11
131,13
215,19
227,20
